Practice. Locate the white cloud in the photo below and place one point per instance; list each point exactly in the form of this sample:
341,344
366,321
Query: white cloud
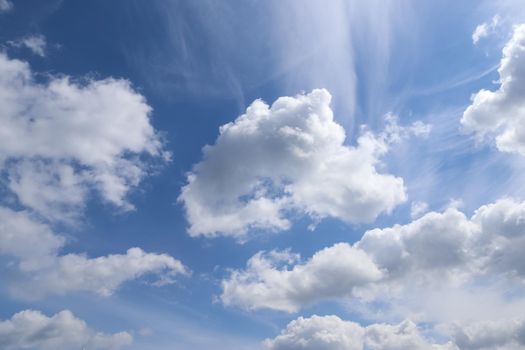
332,333
331,272
483,30
5,6
437,251
36,43
290,157
32,243
417,209
42,271
60,139
31,329
501,113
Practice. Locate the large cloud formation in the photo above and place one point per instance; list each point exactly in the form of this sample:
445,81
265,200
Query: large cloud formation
42,270
435,250
31,329
333,333
501,113
290,156
61,138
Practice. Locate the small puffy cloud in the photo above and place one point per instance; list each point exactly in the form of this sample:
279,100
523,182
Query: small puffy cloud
333,333
485,29
290,157
500,114
5,6
267,281
36,43
434,251
42,270
31,329
60,139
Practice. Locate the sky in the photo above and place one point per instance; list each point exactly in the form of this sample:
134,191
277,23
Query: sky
273,175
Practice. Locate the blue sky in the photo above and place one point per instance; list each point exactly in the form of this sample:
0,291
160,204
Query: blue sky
381,189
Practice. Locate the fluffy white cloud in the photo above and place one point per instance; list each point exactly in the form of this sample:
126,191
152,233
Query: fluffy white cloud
36,43
436,250
290,157
331,272
332,333
61,138
484,29
42,271
5,6
501,113
31,329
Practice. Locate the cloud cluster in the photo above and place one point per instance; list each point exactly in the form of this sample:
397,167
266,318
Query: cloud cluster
290,157
333,333
42,270
435,250
31,329
501,113
61,138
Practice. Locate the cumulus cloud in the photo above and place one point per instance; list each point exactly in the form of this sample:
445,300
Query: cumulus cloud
435,250
484,29
331,272
42,270
31,329
333,333
5,6
36,43
290,157
501,113
61,138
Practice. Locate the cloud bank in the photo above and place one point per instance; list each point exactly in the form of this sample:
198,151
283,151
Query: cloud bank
42,270
333,333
